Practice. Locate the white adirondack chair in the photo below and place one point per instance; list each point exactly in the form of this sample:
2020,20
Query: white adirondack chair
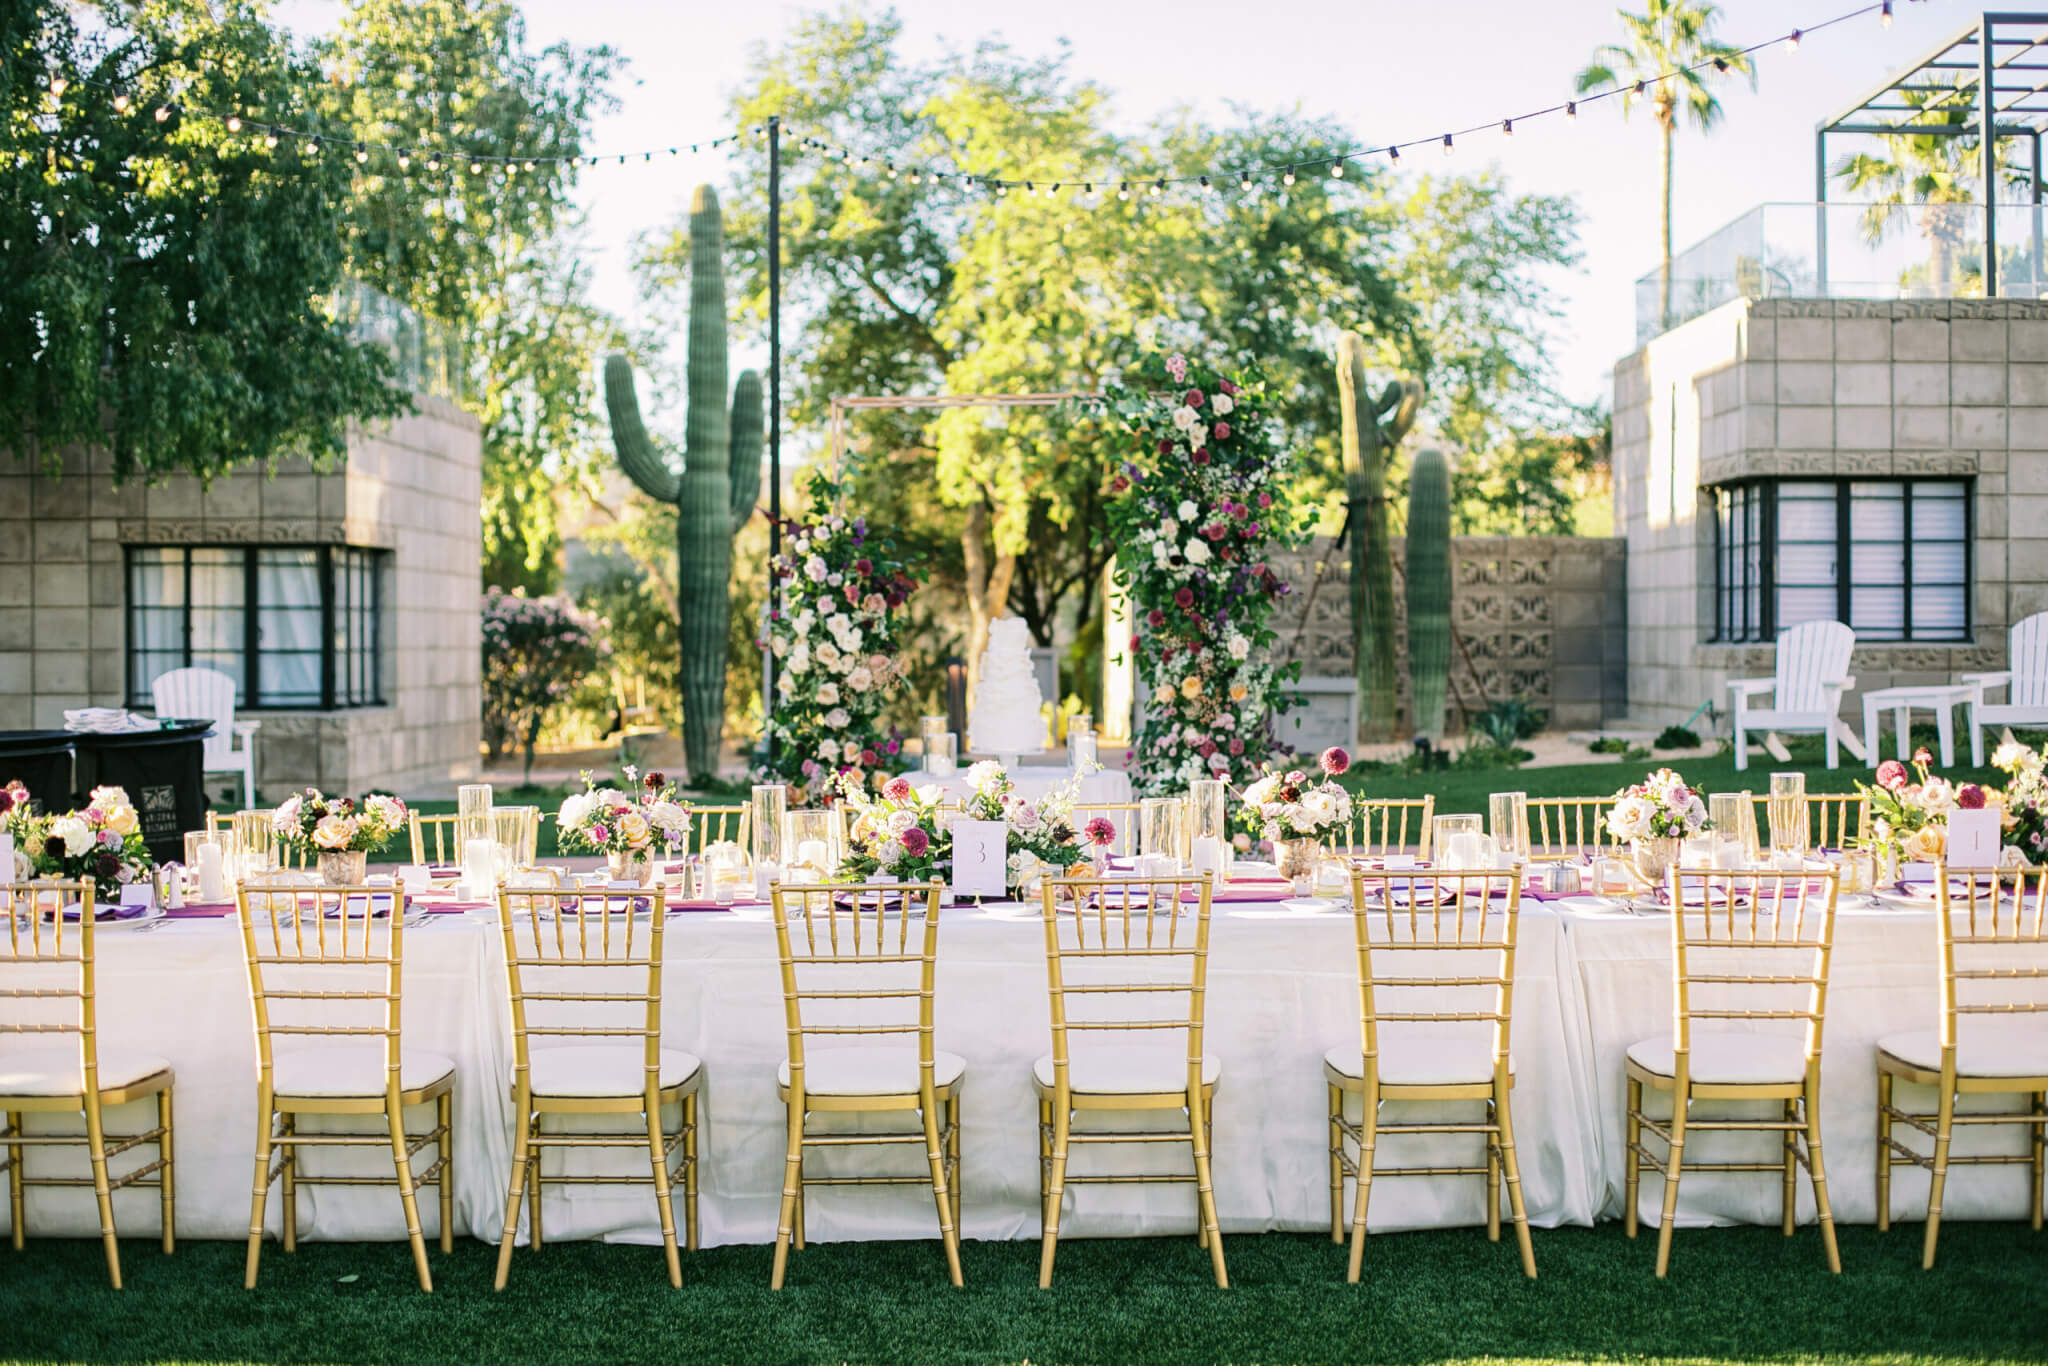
1813,673
210,694
2025,679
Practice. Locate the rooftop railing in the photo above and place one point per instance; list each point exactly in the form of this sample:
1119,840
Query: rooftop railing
1848,251
427,354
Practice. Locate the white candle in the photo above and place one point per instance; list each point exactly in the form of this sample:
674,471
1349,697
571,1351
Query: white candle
811,854
1467,851
1206,854
480,862
212,886
6,856
765,872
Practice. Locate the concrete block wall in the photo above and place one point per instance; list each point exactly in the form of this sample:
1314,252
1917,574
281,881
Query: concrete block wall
413,488
1806,388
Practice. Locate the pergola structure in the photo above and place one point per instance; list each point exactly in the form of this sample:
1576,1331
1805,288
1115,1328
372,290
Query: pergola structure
1996,67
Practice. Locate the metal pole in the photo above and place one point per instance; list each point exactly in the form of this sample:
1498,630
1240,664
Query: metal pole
774,406
1820,210
1987,135
2034,167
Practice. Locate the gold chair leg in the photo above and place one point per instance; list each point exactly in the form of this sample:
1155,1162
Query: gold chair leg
1788,1197
1368,1139
261,1194
1044,1156
935,1158
1493,1174
1336,1164
1884,1152
2040,1165
664,1198
17,1206
1056,1185
522,1147
1817,1172
1673,1160
167,1185
1205,1188
288,1188
1631,1160
394,1116
690,1171
1944,1126
956,1176
791,1176
96,1141
1513,1169
444,1117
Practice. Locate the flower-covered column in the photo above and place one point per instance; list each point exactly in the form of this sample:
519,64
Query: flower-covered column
1197,511
836,653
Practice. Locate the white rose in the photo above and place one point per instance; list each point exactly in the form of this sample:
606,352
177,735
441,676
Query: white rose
1630,818
1238,647
1184,417
575,812
984,775
828,694
1024,816
2008,754
1319,804
837,719
73,833
837,623
786,684
1223,404
1197,551
828,750
800,657
1188,510
1170,529
815,569
860,680
1198,436
828,655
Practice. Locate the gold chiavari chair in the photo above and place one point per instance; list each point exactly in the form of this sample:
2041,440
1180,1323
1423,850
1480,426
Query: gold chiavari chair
1126,956
1753,948
584,972
851,959
51,1061
1569,827
711,825
1124,815
434,841
1832,819
1388,826
1436,976
317,956
1993,945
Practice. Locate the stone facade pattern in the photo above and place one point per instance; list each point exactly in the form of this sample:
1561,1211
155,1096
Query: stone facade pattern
1827,388
412,487
1541,618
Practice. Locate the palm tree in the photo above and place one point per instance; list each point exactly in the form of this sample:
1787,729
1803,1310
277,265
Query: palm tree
1658,64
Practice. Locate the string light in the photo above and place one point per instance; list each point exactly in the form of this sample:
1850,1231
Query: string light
1244,182
120,104
1447,144
310,148
1288,179
270,142
1507,127
1123,191
405,159
1571,110
1720,66
1884,14
1792,41
434,163
1393,154
1337,169
362,153
1639,87
58,85
1157,186
477,167
234,123
1207,188
163,111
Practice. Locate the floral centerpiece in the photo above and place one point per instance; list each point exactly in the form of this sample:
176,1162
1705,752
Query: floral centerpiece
1041,840
628,827
2025,799
835,649
101,843
1909,809
342,833
1654,816
1198,510
18,818
1294,811
902,832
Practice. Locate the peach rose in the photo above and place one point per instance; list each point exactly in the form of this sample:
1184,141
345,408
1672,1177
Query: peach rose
1927,844
334,832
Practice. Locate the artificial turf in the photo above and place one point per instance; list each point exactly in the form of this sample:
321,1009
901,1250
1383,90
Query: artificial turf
1737,1294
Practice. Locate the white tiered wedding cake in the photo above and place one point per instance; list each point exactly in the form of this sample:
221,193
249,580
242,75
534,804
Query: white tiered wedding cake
1005,718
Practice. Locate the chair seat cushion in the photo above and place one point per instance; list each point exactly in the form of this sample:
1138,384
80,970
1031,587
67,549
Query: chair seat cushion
1424,1062
47,1069
1141,1069
1728,1059
876,1070
604,1069
1982,1050
356,1070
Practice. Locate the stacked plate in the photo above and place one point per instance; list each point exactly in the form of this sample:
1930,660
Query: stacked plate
106,721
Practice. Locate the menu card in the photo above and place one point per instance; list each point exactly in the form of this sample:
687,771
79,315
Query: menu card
981,858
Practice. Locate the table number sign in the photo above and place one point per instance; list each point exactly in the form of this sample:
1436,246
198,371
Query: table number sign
981,858
1973,838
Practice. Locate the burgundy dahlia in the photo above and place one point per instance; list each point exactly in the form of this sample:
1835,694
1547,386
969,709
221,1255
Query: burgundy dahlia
915,841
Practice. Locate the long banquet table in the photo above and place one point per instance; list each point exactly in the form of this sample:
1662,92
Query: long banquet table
1281,992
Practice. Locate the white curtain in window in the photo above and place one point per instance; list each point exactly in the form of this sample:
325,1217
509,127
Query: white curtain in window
288,626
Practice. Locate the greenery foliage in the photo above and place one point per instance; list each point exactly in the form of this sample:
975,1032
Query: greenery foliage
535,650
165,285
1678,737
1199,504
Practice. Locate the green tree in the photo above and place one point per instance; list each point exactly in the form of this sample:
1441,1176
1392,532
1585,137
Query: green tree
1654,64
166,283
494,252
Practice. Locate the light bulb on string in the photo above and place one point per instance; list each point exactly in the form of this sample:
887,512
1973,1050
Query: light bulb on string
1507,128
1884,14
477,167
892,170
1288,178
310,147
529,165
1337,170
433,163
1393,154
1157,187
1447,144
915,179
362,154
1571,110
270,142
163,112
234,123
1123,191
1641,86
405,159
1030,190
1792,41
1720,66
1207,188
121,104
58,85
1244,182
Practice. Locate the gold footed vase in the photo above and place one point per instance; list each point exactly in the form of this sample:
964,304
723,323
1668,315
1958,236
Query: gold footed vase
1653,858
344,868
1297,860
627,867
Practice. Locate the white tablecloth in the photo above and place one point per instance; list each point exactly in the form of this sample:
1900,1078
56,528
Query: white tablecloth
1033,782
1281,992
1883,979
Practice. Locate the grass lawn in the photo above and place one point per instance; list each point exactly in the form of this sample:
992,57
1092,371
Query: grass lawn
1738,1294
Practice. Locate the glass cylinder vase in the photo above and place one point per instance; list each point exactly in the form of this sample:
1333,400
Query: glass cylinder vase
770,820
1208,835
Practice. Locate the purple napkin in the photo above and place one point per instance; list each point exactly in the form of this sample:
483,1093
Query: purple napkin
1243,892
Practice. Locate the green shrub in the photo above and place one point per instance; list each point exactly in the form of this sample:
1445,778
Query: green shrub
1609,744
1678,737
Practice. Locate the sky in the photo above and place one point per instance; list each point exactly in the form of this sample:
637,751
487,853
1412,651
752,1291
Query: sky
1391,71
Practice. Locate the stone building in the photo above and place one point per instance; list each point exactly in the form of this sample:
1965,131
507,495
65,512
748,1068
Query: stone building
344,603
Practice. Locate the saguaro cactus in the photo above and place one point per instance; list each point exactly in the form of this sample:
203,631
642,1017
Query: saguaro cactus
714,492
1373,428
1429,591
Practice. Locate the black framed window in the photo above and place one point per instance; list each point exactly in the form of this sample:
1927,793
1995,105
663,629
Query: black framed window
1891,557
294,626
